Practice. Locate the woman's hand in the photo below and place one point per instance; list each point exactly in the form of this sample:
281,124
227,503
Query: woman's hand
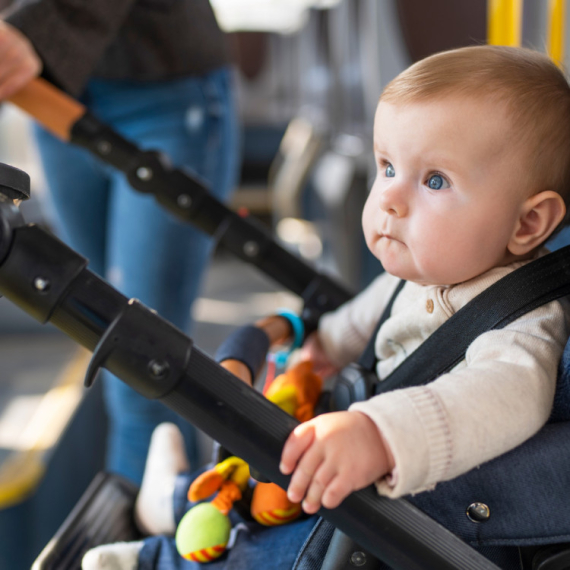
19,62
332,455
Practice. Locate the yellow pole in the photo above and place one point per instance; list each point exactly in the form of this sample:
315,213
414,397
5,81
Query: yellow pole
504,22
555,39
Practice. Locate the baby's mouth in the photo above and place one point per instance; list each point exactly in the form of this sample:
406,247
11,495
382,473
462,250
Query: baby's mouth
389,239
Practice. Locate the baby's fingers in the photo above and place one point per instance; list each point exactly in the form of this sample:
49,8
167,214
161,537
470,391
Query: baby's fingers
297,443
336,491
320,482
303,475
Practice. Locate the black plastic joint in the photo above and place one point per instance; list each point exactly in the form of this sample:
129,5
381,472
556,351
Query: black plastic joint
180,193
146,172
188,197
90,133
344,554
14,183
246,239
144,350
10,219
38,271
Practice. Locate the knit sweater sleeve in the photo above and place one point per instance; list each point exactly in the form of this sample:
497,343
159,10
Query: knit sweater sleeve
345,332
70,36
497,398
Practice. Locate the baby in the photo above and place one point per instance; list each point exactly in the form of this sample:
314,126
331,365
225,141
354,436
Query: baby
472,148
473,154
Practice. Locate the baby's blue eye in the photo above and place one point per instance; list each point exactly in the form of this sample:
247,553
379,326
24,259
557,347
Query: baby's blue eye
390,172
437,182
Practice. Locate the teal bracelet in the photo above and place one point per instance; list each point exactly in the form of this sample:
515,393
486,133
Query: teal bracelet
296,324
298,335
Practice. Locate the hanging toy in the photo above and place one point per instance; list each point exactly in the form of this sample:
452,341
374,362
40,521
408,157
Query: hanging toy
203,533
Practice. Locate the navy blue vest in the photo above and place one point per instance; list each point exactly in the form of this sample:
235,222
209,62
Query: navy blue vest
527,489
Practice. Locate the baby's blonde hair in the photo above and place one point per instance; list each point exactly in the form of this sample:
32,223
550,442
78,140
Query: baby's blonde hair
534,92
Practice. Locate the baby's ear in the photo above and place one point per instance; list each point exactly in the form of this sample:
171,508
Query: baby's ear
540,215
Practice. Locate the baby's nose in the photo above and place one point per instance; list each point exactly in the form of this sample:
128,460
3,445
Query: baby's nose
393,200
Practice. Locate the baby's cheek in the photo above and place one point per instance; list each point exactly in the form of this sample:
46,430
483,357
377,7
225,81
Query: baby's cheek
368,220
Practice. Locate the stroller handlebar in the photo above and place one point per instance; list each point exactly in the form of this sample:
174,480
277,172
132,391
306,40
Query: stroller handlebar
183,195
55,110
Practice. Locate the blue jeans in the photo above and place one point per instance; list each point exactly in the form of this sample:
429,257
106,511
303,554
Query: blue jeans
256,546
128,238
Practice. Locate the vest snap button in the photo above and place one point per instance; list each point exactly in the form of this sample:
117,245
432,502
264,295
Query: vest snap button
478,512
429,306
358,558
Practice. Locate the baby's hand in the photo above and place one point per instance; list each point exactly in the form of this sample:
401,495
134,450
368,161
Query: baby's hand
313,350
332,455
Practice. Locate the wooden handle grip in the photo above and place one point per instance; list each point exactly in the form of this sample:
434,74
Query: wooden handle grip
52,108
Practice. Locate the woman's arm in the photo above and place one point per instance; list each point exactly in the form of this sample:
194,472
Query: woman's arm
69,37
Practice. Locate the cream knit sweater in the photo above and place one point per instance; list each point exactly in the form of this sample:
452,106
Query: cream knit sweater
495,399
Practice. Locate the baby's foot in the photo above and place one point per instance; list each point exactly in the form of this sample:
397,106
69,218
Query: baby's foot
154,511
118,556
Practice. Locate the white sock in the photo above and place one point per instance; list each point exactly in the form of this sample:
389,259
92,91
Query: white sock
154,512
118,556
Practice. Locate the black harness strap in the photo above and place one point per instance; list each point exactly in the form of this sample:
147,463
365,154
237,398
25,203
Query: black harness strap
357,381
519,292
368,358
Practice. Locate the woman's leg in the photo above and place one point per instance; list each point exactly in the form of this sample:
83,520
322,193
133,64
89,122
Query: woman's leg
153,256
78,193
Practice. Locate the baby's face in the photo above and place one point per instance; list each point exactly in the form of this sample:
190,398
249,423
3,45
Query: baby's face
448,191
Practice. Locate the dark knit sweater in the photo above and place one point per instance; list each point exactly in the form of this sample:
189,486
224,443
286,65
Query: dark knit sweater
143,40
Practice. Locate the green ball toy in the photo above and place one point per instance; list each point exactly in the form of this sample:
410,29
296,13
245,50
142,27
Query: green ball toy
203,533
